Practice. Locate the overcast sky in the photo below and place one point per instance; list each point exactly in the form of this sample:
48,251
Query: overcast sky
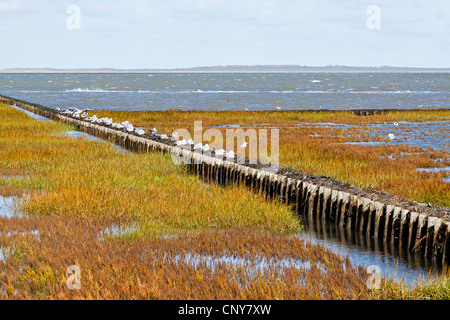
188,33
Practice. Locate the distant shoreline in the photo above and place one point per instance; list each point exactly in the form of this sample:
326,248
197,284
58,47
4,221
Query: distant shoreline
237,69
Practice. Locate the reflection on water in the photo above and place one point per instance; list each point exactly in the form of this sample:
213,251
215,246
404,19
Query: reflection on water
416,134
433,169
79,134
5,252
394,262
437,170
31,114
72,134
255,266
7,208
421,134
115,230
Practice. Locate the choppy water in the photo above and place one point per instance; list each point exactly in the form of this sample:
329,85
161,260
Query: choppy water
235,91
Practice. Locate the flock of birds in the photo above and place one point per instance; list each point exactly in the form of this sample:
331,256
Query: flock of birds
127,126
83,114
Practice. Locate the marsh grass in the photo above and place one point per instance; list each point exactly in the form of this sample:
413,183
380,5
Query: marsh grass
84,178
437,288
122,268
175,119
119,268
318,150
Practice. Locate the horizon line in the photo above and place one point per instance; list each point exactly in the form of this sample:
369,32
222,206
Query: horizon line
231,68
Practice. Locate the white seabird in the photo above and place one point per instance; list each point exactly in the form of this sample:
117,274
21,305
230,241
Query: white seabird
181,142
117,125
128,126
219,152
198,146
106,121
174,136
229,154
75,110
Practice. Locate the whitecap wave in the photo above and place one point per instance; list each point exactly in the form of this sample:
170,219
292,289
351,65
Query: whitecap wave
238,91
80,90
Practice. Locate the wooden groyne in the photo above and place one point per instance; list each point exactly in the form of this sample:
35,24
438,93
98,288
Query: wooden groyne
401,225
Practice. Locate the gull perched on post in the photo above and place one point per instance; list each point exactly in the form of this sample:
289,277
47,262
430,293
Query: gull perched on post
128,126
181,142
174,136
106,121
198,146
220,152
229,154
117,125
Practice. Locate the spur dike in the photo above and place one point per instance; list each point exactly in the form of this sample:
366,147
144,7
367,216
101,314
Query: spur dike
400,224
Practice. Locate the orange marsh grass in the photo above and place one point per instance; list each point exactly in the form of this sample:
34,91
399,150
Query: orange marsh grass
172,268
34,267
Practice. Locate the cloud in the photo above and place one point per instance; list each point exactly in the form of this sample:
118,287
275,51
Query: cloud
12,5
192,32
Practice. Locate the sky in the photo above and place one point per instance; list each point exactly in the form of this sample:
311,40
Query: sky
188,33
